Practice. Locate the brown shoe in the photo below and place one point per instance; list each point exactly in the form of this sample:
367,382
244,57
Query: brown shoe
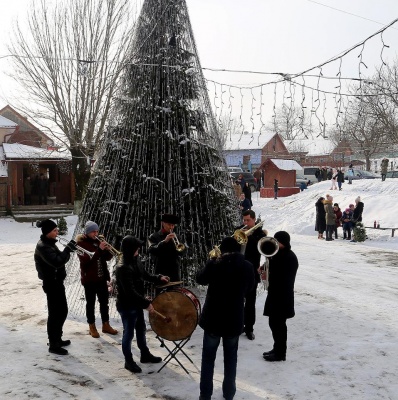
106,328
93,331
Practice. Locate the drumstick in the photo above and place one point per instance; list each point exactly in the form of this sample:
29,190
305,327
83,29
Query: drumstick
167,319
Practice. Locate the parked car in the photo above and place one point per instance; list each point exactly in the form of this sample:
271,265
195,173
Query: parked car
359,174
235,169
392,174
248,177
301,181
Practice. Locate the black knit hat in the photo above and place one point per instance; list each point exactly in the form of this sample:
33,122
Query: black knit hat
170,219
283,238
46,226
229,245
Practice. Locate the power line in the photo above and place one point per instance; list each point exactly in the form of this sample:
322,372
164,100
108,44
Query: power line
349,13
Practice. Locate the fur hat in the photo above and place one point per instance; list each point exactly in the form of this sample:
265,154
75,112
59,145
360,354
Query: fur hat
358,199
283,238
90,227
170,219
329,197
47,225
229,245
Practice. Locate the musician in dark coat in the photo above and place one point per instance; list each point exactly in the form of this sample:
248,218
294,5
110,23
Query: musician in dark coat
320,222
279,304
131,301
253,256
50,265
229,278
163,249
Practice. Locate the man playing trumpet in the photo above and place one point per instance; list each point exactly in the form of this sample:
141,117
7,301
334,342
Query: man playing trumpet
165,248
253,256
95,277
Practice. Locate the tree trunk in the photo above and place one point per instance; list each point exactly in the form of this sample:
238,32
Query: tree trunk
82,171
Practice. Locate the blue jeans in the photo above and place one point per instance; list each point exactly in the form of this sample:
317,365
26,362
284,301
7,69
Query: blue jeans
209,353
133,319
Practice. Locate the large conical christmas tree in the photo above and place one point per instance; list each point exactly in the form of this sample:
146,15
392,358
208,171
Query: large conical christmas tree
163,153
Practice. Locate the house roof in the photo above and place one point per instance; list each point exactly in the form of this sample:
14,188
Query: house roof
247,141
7,123
16,151
312,147
286,165
25,121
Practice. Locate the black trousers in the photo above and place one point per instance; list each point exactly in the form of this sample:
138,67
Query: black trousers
57,309
250,310
100,290
279,333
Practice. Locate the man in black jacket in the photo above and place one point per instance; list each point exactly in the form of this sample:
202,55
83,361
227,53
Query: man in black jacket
131,302
50,265
279,305
163,249
253,256
229,278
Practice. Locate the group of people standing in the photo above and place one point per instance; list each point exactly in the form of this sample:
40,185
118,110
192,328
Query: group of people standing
336,176
229,309
329,218
37,187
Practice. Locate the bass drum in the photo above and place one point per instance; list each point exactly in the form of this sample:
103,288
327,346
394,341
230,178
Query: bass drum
182,311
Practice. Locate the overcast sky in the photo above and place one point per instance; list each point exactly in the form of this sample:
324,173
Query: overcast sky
286,36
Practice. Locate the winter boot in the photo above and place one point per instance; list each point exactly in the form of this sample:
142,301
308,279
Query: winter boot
132,366
93,331
147,357
345,235
55,348
106,328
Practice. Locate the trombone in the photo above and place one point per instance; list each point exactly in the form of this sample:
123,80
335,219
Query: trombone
179,246
79,250
111,249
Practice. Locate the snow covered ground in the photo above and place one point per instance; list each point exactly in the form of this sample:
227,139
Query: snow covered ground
342,342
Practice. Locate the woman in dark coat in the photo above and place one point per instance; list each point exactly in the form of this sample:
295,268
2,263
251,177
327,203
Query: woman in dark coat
131,301
279,305
320,222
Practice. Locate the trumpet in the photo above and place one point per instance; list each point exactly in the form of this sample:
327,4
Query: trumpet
179,246
111,249
79,250
241,236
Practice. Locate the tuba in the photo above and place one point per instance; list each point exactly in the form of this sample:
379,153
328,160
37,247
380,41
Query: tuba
268,247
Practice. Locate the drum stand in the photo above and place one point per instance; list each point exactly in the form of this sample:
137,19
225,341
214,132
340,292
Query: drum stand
178,347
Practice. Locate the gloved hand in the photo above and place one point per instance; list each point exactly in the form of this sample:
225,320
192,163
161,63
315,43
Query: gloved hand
72,245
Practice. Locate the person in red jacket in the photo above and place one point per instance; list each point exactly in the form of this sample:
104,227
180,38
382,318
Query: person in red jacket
95,277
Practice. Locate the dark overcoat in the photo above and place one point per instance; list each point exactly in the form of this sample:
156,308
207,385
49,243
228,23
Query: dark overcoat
320,221
229,279
130,278
165,257
282,274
